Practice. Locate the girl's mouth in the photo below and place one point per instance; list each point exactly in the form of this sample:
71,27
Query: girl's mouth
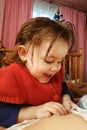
47,75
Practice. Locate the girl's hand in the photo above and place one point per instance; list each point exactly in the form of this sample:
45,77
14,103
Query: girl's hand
68,103
49,109
41,111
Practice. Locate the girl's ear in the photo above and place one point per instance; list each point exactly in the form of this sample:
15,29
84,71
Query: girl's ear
22,52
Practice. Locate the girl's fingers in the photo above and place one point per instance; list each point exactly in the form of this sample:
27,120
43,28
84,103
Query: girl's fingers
55,108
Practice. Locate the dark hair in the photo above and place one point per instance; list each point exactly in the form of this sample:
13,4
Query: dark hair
38,29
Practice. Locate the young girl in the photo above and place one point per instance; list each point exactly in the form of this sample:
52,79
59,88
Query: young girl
31,86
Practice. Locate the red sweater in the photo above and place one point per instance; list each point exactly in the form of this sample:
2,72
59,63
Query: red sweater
19,87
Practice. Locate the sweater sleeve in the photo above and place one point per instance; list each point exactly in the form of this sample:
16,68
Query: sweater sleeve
8,114
65,90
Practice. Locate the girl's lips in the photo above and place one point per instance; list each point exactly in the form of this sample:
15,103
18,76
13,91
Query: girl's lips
47,75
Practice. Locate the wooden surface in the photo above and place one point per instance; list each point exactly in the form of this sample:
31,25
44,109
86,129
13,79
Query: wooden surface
73,66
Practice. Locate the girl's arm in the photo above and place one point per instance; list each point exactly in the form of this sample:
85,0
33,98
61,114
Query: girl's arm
8,114
65,90
68,103
11,114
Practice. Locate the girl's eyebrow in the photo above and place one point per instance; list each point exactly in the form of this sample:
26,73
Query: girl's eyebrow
56,57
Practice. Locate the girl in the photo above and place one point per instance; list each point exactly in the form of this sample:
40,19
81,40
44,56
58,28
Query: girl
31,86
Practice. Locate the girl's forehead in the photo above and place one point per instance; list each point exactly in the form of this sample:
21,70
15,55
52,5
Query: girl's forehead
58,48
57,43
45,44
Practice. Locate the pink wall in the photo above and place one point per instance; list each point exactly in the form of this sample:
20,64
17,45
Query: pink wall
2,6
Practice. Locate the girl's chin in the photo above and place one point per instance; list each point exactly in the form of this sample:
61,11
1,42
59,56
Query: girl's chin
44,81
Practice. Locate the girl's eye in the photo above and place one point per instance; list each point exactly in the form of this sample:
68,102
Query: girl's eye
49,62
59,62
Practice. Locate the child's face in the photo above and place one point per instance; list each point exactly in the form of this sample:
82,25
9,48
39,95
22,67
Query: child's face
44,69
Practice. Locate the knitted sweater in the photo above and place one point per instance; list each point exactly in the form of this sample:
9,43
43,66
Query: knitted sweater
18,86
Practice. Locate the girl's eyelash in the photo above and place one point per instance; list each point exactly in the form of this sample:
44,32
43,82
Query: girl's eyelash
59,62
48,61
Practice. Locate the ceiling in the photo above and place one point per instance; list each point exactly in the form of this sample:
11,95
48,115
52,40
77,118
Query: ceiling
78,4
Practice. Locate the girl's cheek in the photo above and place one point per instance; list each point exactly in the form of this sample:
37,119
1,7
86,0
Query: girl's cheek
59,67
28,62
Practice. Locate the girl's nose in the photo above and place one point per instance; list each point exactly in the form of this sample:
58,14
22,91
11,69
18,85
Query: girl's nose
55,68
